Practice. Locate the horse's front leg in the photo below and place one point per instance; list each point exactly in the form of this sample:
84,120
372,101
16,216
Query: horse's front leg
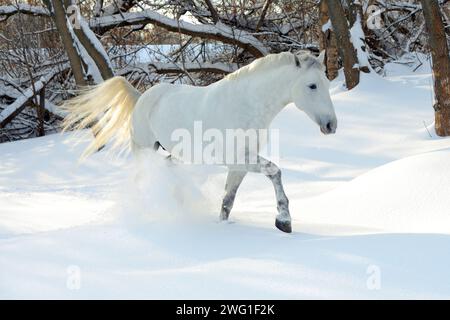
271,171
234,179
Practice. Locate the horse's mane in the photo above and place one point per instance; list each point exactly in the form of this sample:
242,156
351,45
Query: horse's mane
273,60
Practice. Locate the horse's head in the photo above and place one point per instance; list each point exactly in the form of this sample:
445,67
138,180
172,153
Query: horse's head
310,92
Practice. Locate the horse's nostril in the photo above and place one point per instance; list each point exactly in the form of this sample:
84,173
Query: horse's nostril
328,127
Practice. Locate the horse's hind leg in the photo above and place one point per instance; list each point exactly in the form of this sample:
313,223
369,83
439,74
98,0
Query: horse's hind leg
234,180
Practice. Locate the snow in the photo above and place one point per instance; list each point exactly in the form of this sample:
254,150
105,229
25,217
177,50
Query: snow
411,64
23,7
113,7
357,36
369,206
414,182
327,26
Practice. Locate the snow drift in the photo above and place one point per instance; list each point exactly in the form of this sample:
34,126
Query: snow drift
371,201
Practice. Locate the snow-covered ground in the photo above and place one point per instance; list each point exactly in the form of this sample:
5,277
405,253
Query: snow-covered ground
370,207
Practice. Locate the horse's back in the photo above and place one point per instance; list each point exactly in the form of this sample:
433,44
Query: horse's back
162,109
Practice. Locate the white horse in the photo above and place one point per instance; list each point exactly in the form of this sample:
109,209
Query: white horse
249,98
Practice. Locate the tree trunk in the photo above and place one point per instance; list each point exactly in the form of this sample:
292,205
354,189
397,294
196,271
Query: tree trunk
41,113
441,65
328,43
357,26
345,46
59,16
102,64
99,59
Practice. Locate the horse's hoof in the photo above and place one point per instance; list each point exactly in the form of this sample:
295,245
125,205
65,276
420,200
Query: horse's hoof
223,217
284,226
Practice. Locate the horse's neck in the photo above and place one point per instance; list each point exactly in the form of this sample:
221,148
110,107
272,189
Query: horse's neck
268,93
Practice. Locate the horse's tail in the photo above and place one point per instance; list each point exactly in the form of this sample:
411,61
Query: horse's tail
109,105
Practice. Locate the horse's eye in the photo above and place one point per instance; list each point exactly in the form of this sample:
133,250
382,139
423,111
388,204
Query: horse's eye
313,86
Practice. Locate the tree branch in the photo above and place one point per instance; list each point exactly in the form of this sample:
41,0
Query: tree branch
221,68
212,10
219,31
266,6
7,11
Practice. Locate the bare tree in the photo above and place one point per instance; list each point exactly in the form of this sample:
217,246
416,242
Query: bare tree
441,65
151,41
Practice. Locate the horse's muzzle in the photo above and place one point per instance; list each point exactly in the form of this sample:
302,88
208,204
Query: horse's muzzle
329,127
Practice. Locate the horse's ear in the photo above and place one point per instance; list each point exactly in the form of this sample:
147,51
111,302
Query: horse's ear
297,61
321,57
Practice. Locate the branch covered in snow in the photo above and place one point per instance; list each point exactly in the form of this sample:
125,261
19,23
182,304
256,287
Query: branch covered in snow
115,7
398,5
167,68
219,31
14,92
21,102
93,48
6,11
221,68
